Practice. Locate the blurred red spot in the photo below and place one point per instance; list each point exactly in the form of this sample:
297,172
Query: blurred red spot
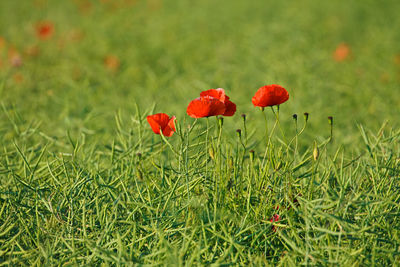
112,63
18,77
44,30
14,58
341,53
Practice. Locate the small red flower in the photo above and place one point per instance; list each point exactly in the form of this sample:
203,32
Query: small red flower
230,107
275,218
270,95
44,30
206,106
163,122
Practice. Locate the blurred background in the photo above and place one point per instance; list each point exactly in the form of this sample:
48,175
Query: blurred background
71,65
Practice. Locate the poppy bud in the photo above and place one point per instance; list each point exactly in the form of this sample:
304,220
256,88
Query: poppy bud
316,151
244,117
295,117
211,152
330,119
239,133
306,116
139,174
251,155
230,162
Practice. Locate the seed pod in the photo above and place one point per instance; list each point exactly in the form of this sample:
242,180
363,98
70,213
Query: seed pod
316,151
139,174
251,155
330,119
230,162
278,166
306,114
239,133
211,152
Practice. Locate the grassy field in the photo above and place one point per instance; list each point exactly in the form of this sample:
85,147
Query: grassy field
84,180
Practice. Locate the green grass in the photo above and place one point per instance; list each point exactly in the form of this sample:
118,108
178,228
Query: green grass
83,180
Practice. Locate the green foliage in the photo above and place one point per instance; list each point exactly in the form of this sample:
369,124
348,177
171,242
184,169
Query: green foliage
197,198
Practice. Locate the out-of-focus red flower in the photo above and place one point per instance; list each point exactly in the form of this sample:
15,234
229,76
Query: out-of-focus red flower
44,30
341,53
275,218
162,122
230,107
18,77
14,57
112,63
270,95
205,107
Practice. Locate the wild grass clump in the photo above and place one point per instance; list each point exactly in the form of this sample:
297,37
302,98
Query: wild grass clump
204,197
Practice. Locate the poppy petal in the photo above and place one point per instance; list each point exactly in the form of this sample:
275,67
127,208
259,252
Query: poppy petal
216,93
205,107
170,127
230,108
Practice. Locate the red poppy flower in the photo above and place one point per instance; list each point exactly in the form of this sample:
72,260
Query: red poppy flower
275,218
230,107
163,122
270,95
44,30
206,106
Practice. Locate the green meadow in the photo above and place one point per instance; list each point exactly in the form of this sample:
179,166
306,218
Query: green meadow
85,181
